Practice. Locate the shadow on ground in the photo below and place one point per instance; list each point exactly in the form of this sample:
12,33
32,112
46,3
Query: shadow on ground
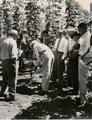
56,106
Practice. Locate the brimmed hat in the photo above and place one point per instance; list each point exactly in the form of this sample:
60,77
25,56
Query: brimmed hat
24,31
13,32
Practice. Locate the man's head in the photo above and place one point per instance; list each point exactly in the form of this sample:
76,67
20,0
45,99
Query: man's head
75,36
60,33
25,33
82,28
13,33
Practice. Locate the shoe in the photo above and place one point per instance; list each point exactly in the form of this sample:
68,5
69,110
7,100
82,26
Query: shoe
2,95
74,93
39,88
84,105
9,98
42,93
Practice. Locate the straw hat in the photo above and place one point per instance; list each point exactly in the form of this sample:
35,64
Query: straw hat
13,32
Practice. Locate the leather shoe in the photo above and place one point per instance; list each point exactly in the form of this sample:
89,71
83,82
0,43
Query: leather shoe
43,93
9,98
85,105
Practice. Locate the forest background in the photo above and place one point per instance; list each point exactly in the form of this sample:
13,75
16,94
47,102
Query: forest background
37,16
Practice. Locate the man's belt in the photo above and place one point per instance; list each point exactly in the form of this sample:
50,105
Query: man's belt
11,59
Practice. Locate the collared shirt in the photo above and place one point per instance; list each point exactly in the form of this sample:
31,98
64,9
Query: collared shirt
63,46
71,44
39,49
84,42
8,48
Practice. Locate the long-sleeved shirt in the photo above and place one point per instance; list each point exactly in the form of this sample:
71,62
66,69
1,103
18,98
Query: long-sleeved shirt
8,48
39,49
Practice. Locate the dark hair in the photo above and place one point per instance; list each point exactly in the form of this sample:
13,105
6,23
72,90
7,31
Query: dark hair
75,34
82,25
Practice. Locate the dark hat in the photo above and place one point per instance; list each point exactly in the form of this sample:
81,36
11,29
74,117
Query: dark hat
75,34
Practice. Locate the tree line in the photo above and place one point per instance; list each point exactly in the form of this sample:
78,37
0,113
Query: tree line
34,16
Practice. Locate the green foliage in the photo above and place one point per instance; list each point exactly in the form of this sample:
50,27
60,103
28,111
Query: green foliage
16,18
6,17
75,14
33,19
34,15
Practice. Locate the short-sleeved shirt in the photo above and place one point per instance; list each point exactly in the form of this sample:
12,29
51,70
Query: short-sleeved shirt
84,42
8,48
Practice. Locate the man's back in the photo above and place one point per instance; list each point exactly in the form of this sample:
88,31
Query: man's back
8,48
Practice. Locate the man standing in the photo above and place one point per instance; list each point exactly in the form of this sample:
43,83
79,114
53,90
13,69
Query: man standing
44,56
60,50
84,42
72,67
9,52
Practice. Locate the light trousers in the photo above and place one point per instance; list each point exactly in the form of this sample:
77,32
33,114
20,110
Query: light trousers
47,67
83,82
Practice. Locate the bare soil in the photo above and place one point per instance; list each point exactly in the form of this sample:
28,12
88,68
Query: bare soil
30,104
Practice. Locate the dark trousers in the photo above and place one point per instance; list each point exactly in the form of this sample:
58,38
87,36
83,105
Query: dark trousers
9,67
21,64
59,67
72,72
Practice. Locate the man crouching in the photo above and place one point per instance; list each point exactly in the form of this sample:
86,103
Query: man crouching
45,57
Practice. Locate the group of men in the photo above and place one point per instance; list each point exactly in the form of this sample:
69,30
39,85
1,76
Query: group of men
75,48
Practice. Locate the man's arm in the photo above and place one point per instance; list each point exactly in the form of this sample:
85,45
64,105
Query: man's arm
66,49
36,54
55,45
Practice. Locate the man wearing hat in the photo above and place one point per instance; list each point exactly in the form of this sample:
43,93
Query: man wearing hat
44,56
9,52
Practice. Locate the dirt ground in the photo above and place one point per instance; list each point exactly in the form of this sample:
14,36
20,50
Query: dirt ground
30,104
24,99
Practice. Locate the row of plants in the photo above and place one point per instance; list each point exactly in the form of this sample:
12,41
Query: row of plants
41,16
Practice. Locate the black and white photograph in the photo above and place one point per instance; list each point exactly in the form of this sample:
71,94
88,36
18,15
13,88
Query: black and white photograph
46,59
